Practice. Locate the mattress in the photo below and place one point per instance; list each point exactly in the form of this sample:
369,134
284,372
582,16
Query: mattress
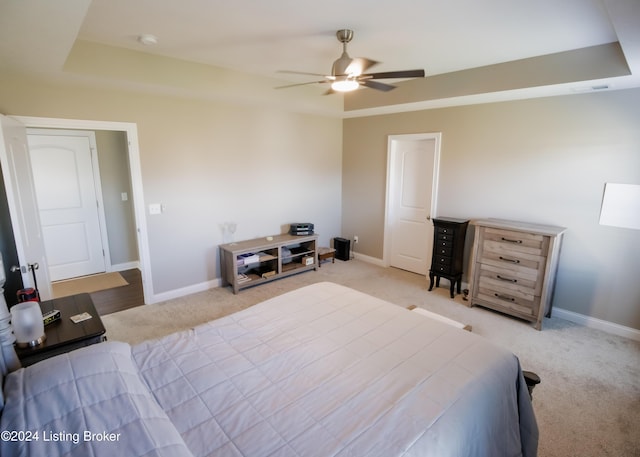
321,371
326,370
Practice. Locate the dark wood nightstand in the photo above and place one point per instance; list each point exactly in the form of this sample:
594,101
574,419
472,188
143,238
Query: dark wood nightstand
448,251
63,335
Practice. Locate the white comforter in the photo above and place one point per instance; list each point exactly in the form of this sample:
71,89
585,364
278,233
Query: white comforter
329,371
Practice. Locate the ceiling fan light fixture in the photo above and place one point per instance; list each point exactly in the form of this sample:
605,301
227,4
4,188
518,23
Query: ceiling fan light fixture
348,74
345,85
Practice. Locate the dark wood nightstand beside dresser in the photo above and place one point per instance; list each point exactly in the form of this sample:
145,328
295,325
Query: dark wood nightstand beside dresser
448,251
63,335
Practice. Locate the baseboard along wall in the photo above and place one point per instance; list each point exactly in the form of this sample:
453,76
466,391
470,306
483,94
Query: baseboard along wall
576,318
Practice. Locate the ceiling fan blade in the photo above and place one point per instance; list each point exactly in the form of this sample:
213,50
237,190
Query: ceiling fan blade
300,84
301,73
397,74
346,71
377,85
359,65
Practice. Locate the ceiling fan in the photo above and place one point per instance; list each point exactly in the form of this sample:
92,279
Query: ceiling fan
348,73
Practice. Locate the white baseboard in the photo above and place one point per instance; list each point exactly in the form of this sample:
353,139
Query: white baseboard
581,319
368,259
177,293
201,287
125,266
599,324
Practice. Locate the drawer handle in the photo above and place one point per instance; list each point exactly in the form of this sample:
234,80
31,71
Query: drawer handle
504,297
506,259
511,241
502,278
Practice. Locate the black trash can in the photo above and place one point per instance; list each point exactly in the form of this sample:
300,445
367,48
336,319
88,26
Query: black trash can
342,247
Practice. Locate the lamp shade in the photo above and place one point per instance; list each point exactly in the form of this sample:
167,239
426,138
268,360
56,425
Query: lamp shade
26,320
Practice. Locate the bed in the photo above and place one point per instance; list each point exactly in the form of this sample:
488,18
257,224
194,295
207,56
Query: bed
324,370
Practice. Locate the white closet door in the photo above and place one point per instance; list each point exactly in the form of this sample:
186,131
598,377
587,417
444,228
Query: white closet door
67,200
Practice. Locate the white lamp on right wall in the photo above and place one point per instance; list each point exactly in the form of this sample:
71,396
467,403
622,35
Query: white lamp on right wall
621,206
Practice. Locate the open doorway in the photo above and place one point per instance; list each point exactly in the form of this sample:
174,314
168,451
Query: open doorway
139,225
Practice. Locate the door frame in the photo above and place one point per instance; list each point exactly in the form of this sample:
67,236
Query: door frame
97,182
131,130
392,184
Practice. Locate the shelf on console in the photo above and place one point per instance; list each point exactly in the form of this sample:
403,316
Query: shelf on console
279,256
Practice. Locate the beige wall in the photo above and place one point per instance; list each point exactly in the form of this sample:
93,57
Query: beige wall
115,177
208,163
542,160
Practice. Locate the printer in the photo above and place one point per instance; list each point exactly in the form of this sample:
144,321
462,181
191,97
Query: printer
301,228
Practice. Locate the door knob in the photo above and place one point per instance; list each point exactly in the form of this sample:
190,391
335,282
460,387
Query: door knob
15,269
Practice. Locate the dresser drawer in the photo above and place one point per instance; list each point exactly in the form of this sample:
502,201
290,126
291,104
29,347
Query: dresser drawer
517,261
512,305
443,230
513,241
512,299
441,264
448,244
445,250
524,281
443,237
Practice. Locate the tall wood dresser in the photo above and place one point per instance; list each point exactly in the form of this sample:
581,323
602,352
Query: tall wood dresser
448,251
514,266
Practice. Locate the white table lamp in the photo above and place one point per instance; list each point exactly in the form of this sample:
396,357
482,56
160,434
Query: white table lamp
28,327
8,359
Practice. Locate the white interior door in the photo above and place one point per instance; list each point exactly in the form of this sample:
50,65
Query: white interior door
23,208
411,199
64,169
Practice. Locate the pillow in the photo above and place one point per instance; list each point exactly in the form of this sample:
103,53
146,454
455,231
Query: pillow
6,351
1,392
86,402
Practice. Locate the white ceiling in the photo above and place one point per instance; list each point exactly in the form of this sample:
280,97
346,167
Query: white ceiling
261,37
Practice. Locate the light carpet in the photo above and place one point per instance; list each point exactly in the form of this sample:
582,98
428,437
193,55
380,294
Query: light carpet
87,284
587,405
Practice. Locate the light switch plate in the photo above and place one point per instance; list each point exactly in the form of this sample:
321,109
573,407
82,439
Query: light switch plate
155,208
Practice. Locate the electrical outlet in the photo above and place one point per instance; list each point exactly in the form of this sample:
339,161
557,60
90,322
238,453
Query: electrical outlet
355,239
